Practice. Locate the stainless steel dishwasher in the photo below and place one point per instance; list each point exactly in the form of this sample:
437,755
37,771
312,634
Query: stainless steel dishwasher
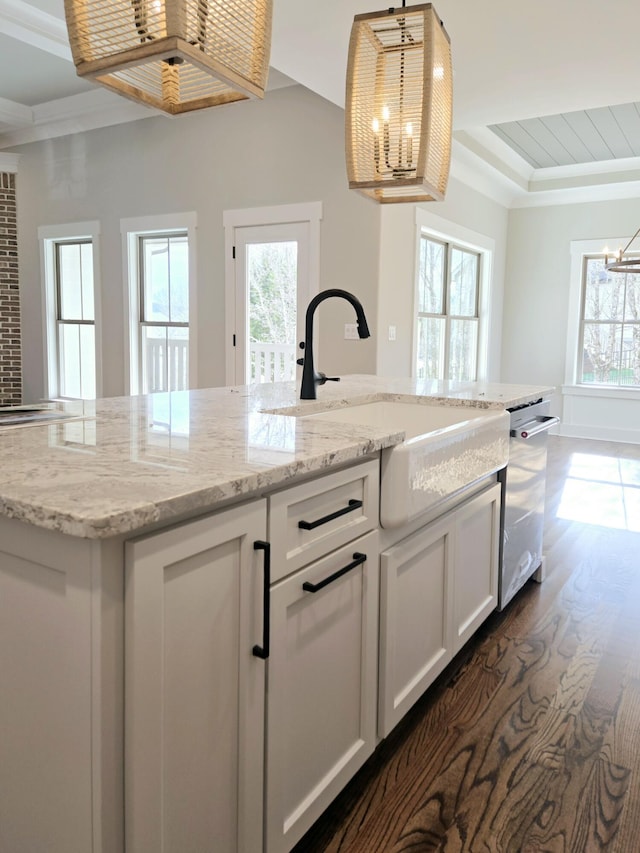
523,497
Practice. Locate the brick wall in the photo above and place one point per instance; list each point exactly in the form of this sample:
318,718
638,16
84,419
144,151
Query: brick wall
10,354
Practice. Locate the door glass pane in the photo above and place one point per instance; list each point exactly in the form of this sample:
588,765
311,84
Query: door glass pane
272,273
431,283
430,357
463,284
463,346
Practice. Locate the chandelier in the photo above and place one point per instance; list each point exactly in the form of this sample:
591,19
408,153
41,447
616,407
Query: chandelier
399,105
175,55
619,262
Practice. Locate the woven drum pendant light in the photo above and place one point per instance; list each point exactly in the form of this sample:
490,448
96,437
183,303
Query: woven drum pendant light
399,105
176,55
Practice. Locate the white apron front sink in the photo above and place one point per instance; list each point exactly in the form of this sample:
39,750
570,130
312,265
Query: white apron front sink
445,449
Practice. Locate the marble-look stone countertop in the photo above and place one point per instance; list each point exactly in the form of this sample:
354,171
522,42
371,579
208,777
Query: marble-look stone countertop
122,464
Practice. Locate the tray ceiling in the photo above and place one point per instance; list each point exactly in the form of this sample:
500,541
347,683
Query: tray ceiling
530,100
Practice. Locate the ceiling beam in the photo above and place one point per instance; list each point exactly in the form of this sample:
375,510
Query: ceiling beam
15,114
23,22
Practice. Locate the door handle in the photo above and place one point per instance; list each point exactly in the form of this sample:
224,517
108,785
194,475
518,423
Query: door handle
534,428
263,650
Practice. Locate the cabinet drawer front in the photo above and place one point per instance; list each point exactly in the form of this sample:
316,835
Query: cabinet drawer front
322,686
310,520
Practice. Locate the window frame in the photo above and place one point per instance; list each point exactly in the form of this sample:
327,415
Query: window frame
444,230
143,323
132,230
579,374
49,237
450,245
580,250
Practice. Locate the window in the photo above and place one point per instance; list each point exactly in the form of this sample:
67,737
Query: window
160,258
75,319
609,337
164,312
71,329
448,318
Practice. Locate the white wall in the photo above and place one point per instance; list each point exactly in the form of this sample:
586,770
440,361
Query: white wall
463,207
536,308
288,148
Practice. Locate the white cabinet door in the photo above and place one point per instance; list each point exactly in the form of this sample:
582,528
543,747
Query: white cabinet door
194,692
45,693
321,686
415,603
476,573
437,587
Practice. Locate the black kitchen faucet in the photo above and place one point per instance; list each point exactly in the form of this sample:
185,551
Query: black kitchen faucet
309,376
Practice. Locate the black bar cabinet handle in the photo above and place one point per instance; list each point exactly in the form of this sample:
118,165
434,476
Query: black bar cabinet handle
311,525
263,650
358,559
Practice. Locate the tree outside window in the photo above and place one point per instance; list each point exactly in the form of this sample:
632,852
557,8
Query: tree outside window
610,326
272,280
272,275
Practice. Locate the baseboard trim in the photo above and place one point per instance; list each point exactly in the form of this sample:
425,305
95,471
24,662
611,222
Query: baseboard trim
626,436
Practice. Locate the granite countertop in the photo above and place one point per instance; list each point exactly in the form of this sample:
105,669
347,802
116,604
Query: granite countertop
121,464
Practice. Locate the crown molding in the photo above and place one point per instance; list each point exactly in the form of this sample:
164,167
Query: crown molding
75,114
488,147
481,158
15,114
477,173
24,22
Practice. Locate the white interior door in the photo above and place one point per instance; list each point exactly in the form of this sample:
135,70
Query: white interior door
272,290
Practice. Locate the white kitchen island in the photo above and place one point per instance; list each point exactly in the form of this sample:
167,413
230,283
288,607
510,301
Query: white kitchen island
136,534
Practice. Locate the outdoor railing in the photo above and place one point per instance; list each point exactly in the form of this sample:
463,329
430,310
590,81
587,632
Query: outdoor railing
272,362
166,365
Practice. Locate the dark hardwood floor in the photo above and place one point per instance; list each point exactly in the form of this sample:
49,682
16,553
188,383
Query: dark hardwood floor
530,740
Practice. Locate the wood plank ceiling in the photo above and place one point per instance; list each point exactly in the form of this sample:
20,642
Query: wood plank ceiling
607,133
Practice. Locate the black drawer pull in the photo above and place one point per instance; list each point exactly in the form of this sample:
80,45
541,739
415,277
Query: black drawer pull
311,525
263,650
358,559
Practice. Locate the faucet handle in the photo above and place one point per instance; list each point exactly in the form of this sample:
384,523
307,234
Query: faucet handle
321,378
300,361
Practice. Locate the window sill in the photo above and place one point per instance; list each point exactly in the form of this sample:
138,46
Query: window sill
603,391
